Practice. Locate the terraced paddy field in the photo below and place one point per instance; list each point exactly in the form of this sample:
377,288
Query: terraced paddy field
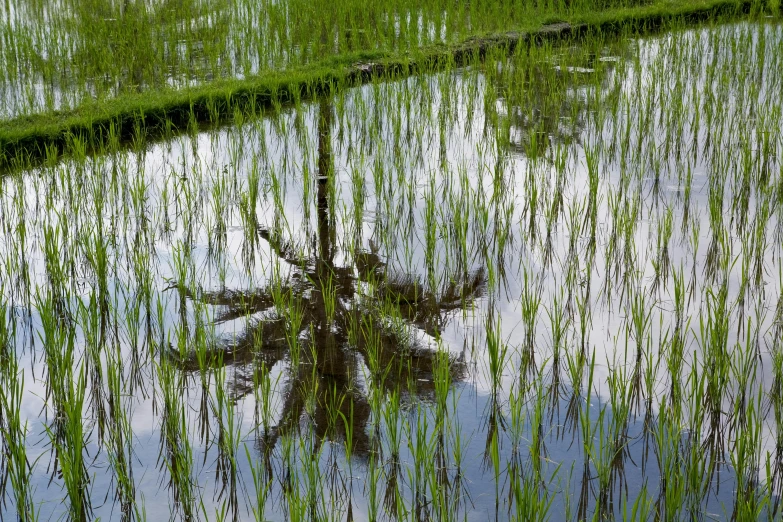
61,54
545,285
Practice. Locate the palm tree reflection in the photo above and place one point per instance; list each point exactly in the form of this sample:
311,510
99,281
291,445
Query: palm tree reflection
339,332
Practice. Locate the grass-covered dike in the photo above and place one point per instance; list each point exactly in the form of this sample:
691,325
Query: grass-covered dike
139,116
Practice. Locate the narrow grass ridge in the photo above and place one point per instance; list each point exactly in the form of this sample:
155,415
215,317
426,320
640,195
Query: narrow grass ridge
28,139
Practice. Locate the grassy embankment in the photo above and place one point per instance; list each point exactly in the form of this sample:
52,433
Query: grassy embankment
150,113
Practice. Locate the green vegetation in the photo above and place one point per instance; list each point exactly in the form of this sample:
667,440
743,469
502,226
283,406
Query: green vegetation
135,100
530,276
57,55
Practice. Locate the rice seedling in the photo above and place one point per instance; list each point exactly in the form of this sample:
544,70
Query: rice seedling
176,451
68,439
530,281
17,467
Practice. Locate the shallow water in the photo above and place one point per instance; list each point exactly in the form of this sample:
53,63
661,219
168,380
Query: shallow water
57,55
336,274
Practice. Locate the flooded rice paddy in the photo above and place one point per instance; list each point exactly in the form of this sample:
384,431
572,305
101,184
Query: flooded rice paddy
543,287
62,54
